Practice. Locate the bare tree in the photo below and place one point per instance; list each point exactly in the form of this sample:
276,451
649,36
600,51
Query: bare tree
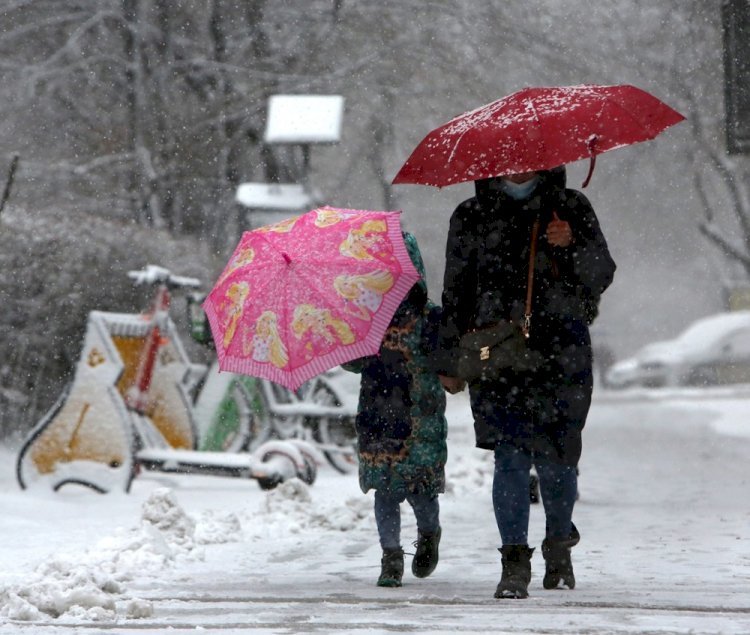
165,103
677,49
140,117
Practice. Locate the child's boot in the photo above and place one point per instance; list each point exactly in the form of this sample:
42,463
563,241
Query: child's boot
426,558
391,567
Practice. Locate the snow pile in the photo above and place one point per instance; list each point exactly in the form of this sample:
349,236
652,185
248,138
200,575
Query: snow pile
63,588
89,586
172,531
213,529
290,507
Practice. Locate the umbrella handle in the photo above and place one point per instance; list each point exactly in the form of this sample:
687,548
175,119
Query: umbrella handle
590,143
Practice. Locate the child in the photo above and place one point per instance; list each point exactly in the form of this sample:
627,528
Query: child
401,431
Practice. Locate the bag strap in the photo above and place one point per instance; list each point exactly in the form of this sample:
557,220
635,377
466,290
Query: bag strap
526,326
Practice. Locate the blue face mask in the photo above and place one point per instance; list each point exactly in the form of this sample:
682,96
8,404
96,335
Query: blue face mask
519,191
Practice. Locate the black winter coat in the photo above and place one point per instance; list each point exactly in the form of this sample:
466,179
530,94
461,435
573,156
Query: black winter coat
485,281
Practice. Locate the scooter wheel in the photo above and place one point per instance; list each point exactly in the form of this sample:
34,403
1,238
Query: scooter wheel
279,466
309,473
267,484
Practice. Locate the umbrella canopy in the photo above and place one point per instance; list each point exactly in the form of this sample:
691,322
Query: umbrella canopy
536,129
309,293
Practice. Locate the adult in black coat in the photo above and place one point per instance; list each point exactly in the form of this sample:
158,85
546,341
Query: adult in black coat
534,417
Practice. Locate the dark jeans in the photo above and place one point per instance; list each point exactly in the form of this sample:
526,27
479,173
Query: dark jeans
558,485
388,516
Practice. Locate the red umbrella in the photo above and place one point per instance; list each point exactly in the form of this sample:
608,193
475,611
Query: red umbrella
536,129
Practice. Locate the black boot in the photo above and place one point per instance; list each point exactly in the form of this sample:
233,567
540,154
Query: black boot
514,582
558,565
426,558
391,567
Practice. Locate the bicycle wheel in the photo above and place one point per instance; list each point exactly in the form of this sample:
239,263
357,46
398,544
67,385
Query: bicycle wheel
309,472
289,426
254,425
336,435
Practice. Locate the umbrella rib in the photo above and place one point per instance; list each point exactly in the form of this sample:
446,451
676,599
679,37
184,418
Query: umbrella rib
646,126
455,145
538,121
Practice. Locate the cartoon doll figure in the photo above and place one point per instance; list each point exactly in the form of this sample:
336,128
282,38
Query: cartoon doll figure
321,323
236,295
327,216
266,344
282,227
364,242
241,258
363,294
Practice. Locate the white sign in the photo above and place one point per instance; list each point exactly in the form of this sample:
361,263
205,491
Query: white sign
304,119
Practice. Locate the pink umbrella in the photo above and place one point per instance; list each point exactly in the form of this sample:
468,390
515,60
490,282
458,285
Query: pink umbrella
309,293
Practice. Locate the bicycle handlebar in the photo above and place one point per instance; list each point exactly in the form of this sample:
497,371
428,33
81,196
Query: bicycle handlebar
154,274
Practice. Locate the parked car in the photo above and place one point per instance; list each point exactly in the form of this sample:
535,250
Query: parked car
712,351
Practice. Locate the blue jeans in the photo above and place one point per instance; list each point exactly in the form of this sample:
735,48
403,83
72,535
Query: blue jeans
388,516
558,485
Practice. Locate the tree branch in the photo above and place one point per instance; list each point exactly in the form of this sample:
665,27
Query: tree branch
9,181
727,248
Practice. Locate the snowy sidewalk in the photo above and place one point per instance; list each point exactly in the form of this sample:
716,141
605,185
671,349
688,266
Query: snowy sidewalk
663,514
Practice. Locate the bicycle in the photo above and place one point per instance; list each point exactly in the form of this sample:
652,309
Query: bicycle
138,402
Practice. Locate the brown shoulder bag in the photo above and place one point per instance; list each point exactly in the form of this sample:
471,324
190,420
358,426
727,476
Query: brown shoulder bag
501,348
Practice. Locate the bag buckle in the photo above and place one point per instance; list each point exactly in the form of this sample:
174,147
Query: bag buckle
526,326
484,353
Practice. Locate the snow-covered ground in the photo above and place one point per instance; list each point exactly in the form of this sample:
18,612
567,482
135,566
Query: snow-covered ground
664,514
